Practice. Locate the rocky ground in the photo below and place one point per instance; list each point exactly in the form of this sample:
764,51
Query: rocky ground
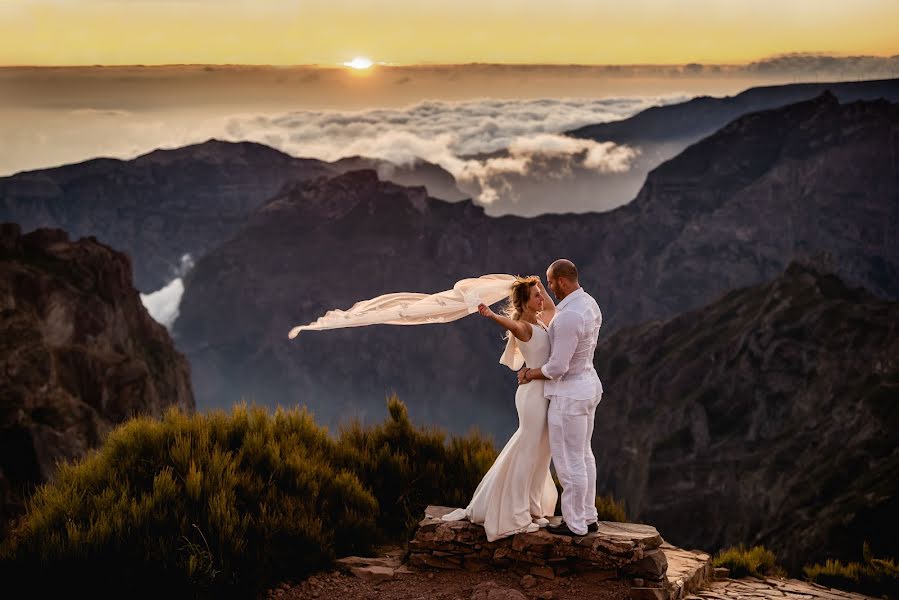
770,588
455,564
411,584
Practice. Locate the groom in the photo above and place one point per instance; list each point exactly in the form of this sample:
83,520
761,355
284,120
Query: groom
573,389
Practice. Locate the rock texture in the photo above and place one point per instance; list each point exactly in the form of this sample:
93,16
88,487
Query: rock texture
620,550
689,578
78,354
736,207
688,570
771,589
767,417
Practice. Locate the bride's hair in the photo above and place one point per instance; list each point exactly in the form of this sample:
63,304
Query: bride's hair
518,297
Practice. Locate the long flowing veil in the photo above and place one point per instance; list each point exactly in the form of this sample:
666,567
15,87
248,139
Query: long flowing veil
410,308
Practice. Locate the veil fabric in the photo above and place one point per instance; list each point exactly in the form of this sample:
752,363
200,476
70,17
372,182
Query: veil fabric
410,308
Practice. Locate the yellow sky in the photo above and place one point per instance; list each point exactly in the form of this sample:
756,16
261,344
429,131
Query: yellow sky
116,32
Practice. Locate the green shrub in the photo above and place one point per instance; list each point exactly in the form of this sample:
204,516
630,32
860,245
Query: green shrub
610,509
757,561
408,468
201,503
873,576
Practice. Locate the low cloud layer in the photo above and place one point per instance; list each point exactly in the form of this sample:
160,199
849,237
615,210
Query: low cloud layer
460,136
163,304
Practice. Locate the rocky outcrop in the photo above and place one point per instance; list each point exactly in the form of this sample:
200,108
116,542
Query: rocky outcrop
771,588
766,417
78,355
621,550
690,577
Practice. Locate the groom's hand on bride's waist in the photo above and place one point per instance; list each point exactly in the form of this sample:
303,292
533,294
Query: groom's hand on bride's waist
527,375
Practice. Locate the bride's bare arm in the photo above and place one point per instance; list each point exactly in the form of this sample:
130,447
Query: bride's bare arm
549,307
519,329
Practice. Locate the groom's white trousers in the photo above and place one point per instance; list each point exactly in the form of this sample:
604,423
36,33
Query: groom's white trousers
570,431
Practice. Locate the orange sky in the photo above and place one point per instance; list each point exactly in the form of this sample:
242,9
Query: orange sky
290,32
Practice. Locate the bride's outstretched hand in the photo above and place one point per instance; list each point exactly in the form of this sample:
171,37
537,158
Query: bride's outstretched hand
485,310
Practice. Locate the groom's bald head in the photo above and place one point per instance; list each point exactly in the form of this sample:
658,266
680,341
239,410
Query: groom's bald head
561,276
563,268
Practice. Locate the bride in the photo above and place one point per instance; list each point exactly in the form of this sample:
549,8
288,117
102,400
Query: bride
518,490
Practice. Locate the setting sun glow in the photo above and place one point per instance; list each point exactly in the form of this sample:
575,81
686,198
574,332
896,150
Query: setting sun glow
360,62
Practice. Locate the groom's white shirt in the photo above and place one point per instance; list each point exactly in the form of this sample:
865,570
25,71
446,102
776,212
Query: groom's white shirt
573,335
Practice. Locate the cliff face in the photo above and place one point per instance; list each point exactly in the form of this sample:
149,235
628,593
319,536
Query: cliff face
78,353
327,243
767,417
733,209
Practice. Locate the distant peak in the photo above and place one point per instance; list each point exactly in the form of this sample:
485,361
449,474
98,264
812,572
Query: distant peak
212,150
361,175
348,183
826,97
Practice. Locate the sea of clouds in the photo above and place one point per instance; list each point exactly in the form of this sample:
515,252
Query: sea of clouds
460,136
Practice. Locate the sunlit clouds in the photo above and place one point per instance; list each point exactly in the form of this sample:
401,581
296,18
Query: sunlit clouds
452,134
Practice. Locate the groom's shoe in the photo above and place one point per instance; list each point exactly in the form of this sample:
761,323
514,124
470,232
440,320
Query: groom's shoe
562,529
592,527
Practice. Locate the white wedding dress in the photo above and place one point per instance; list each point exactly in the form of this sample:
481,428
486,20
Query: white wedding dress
518,487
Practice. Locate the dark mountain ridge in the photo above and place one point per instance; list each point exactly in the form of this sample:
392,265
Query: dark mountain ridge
768,416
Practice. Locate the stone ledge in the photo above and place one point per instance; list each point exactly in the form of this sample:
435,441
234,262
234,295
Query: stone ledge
618,550
770,588
688,571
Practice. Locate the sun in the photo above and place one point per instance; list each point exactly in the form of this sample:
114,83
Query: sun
359,62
